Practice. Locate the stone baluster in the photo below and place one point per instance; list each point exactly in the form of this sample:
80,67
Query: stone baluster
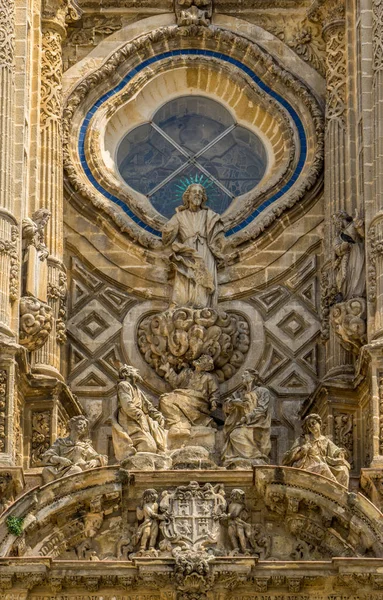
55,15
331,13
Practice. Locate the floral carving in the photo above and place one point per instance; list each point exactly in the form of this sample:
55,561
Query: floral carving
36,320
377,35
59,293
7,38
336,74
41,436
9,247
344,433
3,400
51,78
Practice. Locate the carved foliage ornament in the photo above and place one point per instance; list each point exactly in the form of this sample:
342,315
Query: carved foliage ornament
230,43
41,436
7,38
193,12
51,78
3,399
36,321
377,35
9,247
59,294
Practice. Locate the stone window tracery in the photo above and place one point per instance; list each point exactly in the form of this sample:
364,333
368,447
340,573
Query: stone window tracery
191,139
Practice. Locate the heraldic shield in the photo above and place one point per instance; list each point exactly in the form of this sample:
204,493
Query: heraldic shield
193,515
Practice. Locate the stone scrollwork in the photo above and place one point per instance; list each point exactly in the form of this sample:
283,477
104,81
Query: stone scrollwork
72,454
41,435
315,452
36,321
193,12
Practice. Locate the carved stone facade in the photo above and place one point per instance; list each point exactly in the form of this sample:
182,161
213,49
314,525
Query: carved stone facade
191,300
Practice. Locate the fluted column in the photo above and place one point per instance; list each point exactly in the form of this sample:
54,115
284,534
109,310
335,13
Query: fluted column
331,13
9,277
56,14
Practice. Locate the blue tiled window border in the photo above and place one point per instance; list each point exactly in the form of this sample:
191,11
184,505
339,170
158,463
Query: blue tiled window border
294,116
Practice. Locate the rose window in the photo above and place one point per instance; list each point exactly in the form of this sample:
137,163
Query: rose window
191,139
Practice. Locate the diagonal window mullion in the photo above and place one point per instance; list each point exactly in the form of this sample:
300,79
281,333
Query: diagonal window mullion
210,176
169,139
215,141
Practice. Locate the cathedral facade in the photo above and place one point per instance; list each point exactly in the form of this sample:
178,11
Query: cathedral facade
191,300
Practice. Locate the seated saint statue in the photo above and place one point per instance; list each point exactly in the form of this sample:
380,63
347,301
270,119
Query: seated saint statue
137,426
194,398
317,453
248,421
196,236
72,454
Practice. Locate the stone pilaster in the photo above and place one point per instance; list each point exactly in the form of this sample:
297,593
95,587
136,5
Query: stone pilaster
375,234
331,14
9,278
56,14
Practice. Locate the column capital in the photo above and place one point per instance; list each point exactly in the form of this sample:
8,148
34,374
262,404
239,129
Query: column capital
330,13
56,14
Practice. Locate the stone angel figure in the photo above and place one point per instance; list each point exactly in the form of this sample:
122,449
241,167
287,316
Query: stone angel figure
315,452
72,454
137,426
196,236
147,532
35,254
349,265
247,424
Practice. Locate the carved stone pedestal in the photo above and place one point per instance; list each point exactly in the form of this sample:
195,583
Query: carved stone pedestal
197,436
147,461
192,457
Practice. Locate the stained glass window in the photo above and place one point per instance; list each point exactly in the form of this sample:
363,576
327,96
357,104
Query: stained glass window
191,139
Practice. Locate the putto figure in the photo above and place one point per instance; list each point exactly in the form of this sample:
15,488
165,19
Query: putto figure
317,453
72,454
350,272
194,399
247,425
147,532
137,426
196,236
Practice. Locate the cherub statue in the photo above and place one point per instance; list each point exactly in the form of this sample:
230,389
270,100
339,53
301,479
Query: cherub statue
147,532
137,426
315,452
248,422
238,529
72,454
194,398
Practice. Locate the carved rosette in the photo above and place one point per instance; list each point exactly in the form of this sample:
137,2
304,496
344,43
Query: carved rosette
36,321
180,336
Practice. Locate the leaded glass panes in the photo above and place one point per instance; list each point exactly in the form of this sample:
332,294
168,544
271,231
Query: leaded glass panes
190,139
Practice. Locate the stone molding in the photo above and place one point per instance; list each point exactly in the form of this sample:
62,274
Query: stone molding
134,53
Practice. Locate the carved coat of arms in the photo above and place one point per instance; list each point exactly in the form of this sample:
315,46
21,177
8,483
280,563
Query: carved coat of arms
193,515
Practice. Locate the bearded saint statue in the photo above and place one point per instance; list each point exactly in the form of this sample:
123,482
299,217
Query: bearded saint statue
196,236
